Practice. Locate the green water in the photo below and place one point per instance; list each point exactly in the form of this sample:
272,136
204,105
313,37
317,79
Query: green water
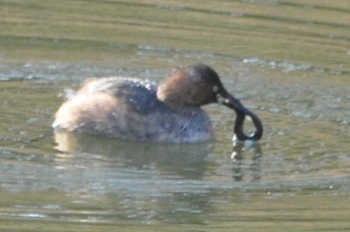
288,61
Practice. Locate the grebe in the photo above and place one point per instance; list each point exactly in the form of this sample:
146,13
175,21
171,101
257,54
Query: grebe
140,110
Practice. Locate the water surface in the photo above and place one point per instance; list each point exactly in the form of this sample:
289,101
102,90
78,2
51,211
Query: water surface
288,61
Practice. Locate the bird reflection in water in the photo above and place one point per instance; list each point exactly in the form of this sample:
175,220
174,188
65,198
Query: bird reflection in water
240,161
185,160
188,161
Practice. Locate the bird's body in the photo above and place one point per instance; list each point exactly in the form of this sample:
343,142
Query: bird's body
140,110
129,109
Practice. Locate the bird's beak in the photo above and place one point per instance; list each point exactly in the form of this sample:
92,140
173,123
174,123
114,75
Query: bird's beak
242,112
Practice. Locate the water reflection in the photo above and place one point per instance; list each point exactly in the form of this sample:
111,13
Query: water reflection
239,154
184,160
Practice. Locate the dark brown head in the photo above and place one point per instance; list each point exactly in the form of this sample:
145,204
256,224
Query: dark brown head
199,84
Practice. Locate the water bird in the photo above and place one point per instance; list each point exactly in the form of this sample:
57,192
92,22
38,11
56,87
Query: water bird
141,110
